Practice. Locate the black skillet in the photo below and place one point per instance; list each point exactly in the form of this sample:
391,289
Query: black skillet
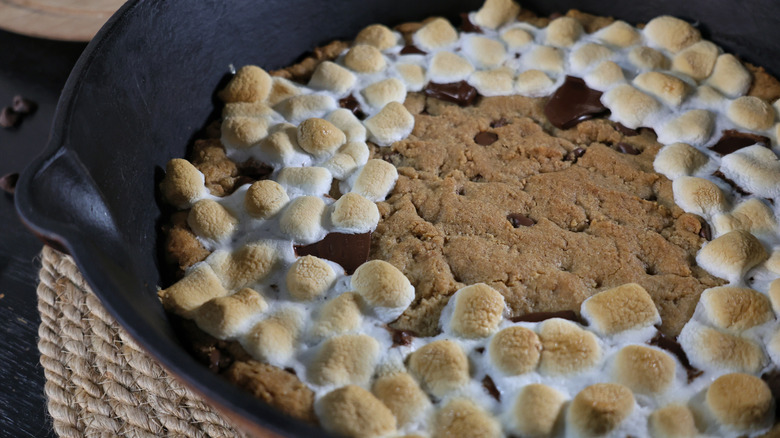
143,89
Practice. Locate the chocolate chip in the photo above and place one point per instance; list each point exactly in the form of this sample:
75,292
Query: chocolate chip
485,138
353,105
664,342
401,337
517,220
411,49
456,92
466,25
8,182
544,316
572,103
23,105
573,155
499,123
9,118
705,231
480,350
733,140
626,148
730,182
490,387
348,250
625,130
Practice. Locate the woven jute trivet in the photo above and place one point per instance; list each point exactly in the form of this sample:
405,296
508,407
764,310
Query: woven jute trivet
98,380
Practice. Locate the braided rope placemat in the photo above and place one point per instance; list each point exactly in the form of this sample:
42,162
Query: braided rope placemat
98,380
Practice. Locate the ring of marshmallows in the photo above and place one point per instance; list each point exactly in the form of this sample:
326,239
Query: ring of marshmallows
554,377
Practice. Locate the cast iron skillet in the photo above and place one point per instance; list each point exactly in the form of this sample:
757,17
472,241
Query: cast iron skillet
144,87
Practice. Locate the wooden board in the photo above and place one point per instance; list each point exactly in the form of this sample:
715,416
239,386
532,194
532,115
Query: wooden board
66,20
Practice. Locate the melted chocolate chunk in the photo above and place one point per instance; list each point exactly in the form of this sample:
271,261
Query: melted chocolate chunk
572,103
466,25
499,123
672,346
625,148
518,220
735,186
9,118
8,182
705,231
348,250
544,316
490,387
23,105
555,15
411,49
480,350
485,138
733,140
353,105
456,92
401,337
625,130
573,155
250,171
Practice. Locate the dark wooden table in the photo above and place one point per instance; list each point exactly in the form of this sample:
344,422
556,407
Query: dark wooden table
36,69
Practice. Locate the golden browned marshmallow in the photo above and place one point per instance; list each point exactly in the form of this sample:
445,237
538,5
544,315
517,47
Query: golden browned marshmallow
516,37
630,106
250,84
755,168
736,308
243,132
671,33
319,137
563,32
673,421
375,180
545,58
436,34
245,266
537,409
599,409
752,215
363,58
343,360
354,213
566,348
377,35
604,76
273,339
311,180
668,88
358,150
449,67
697,60
646,58
299,108
515,350
625,307
620,34
353,412
265,198
282,89
399,392
698,195
247,109
346,121
496,82
392,123
461,418
709,347
210,220
495,13
381,284
732,254
338,316
332,77
740,401
302,219
486,52
773,264
348,157
281,143
729,76
588,55
413,76
440,366
679,159
309,277
199,285
383,92
774,289
533,83
752,113
694,127
183,183
224,317
478,311
643,369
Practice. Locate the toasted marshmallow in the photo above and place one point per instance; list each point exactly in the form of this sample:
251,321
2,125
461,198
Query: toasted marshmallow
754,168
309,278
375,180
436,34
307,180
353,412
484,52
332,77
599,409
273,339
773,264
620,34
413,76
343,360
363,58
199,285
545,58
385,91
245,266
566,348
243,132
440,366
536,410
729,76
347,159
668,88
679,159
643,369
710,348
671,33
449,67
354,214
588,55
630,106
741,402
461,418
346,121
515,350
694,127
265,198
399,392
696,61
736,308
495,13
698,195
731,255
282,89
210,220
752,215
302,219
338,316
563,32
673,421
533,83
626,307
391,124
752,113
183,184
383,288
281,144
299,108
225,317
516,37
319,137
478,311
646,58
250,84
248,109
356,149
496,82
604,76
